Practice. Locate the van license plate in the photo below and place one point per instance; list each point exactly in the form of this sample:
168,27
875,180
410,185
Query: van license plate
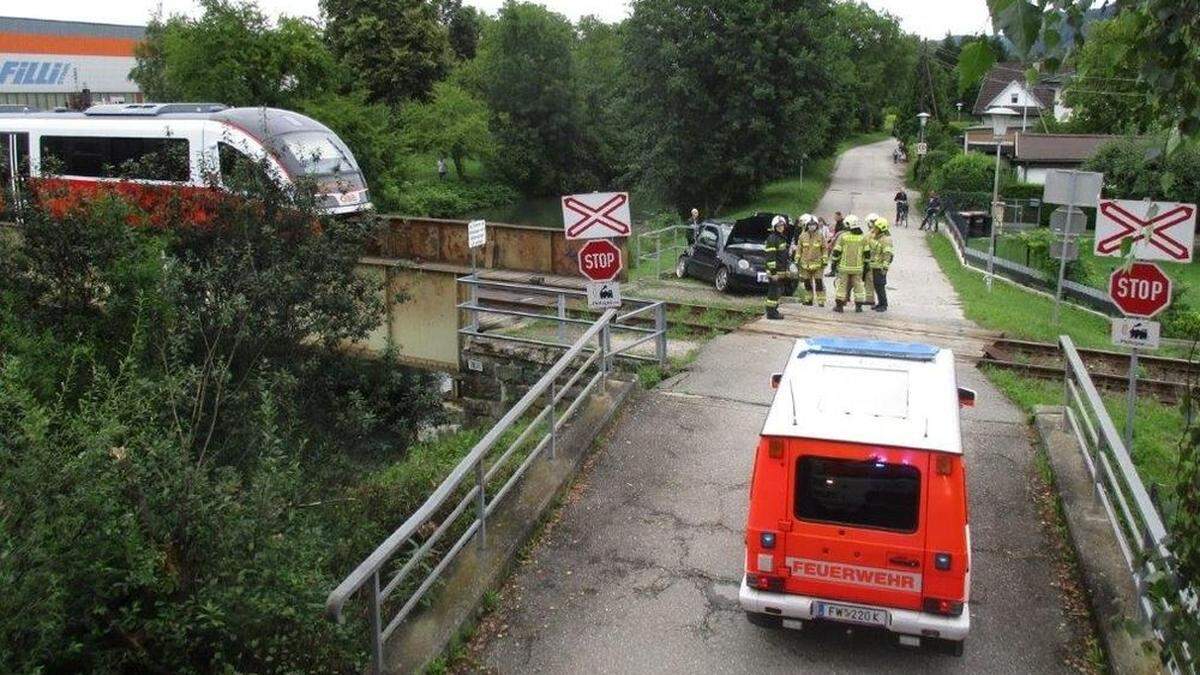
850,614
762,277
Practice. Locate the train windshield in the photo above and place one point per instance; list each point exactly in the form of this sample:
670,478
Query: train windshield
316,153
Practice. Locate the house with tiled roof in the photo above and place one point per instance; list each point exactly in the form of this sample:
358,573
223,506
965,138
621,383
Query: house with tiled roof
1006,86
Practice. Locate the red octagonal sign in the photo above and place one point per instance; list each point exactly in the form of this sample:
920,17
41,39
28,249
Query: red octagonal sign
600,260
1142,290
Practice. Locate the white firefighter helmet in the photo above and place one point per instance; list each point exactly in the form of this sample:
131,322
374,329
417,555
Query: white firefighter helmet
777,221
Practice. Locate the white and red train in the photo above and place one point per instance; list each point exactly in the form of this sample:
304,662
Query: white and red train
87,148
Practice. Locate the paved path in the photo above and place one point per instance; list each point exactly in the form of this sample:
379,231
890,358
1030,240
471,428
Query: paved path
640,574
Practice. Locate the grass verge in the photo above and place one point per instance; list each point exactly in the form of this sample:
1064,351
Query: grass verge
1016,312
1157,427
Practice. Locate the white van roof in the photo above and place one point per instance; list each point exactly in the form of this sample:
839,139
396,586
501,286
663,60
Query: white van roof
898,394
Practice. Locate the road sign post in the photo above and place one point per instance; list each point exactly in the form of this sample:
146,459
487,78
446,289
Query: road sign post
476,238
1141,290
1073,189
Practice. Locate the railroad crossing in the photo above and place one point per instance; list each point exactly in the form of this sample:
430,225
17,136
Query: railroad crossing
640,572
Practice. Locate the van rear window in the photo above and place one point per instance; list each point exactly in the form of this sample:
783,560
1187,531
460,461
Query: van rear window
860,493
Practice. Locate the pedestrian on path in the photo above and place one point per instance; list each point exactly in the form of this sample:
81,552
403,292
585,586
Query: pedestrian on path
901,200
932,209
810,261
693,226
777,264
881,259
849,252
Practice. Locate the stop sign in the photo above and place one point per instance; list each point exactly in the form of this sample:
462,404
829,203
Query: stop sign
1142,290
600,260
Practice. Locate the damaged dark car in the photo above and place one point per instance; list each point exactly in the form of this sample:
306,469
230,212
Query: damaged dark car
730,255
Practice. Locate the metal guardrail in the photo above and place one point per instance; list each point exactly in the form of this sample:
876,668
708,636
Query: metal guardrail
1135,520
649,246
387,573
1078,293
526,295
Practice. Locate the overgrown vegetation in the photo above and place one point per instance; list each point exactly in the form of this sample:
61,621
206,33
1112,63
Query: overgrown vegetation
185,450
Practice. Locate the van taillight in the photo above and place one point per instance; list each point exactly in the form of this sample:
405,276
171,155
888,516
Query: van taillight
766,582
943,607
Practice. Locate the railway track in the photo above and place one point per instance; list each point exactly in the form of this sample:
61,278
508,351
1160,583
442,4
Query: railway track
1164,378
697,318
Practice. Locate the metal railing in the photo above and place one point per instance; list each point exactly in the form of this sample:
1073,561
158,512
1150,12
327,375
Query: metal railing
649,247
1139,529
644,319
475,487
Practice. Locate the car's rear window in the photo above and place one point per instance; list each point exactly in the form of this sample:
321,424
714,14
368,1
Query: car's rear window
860,493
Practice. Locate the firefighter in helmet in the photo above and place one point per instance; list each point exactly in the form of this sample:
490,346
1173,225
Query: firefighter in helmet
868,237
848,253
881,259
778,263
810,260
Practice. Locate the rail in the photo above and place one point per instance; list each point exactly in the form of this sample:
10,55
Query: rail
1139,529
649,246
387,573
550,304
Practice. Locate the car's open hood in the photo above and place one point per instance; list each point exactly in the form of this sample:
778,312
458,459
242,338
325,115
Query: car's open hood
751,229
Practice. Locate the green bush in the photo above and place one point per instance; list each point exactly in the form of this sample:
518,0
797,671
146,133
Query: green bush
175,418
450,198
967,172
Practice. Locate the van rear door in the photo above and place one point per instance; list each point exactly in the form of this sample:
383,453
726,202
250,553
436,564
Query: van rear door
858,523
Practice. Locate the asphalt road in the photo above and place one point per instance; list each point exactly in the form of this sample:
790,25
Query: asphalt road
641,571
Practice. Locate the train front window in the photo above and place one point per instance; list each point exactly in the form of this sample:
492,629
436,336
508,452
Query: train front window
317,153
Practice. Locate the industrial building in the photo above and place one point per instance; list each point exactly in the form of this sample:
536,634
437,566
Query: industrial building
48,64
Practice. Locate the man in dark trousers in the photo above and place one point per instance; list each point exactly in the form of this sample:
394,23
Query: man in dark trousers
778,264
932,210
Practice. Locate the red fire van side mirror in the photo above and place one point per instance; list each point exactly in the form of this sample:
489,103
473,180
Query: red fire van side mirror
776,378
966,397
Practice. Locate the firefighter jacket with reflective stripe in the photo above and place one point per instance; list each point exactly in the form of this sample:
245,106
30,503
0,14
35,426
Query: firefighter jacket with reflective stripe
849,252
776,250
810,251
881,251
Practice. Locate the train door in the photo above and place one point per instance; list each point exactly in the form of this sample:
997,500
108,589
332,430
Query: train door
14,167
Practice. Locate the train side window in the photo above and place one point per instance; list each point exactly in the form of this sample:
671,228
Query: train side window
103,157
237,165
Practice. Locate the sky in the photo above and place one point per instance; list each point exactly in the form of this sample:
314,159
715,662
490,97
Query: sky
928,18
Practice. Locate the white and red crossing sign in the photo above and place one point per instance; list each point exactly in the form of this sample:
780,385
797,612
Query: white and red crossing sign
1140,290
600,260
596,215
1159,230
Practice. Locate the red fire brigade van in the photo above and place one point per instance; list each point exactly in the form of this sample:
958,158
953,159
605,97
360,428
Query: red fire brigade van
858,503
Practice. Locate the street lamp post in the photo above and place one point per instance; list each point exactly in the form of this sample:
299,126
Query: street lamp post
923,117
959,106
999,117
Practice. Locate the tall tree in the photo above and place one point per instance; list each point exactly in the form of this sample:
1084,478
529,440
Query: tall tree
525,68
233,54
452,122
727,93
463,24
1104,94
396,48
602,81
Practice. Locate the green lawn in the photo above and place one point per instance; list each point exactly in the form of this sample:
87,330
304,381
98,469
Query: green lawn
1011,248
1016,312
1156,431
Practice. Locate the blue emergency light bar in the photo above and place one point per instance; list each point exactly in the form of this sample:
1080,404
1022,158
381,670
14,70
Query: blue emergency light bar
908,351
